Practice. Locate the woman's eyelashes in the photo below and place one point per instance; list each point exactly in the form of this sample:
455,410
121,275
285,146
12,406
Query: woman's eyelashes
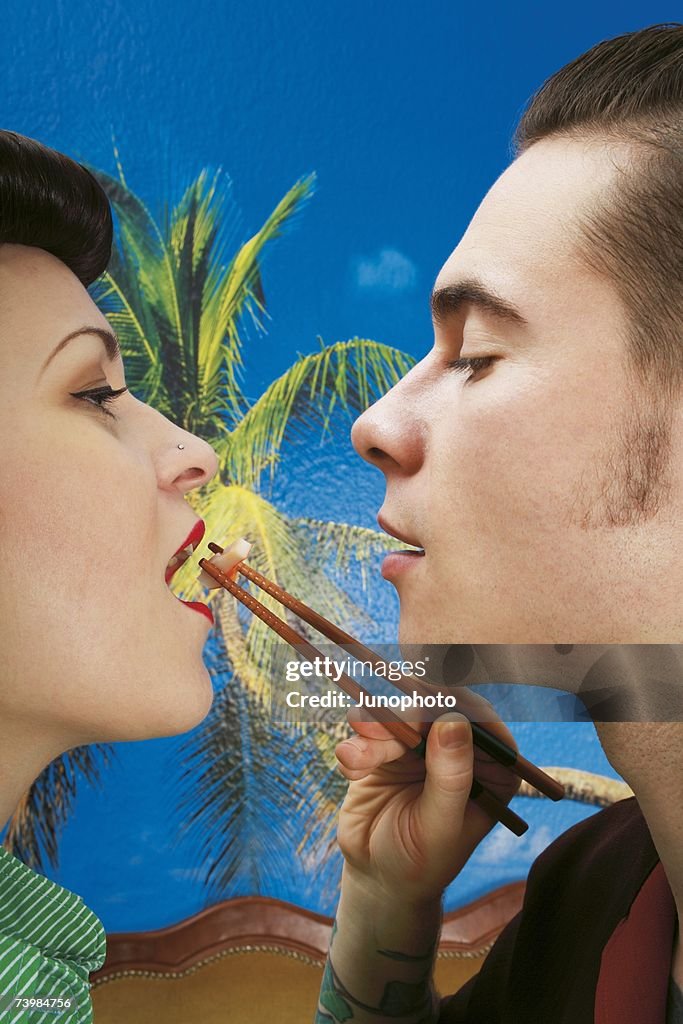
474,365
99,397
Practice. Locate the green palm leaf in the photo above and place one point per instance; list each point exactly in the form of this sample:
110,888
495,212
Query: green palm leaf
347,374
178,300
239,770
117,294
229,294
348,546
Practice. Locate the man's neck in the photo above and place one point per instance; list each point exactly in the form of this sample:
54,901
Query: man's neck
649,756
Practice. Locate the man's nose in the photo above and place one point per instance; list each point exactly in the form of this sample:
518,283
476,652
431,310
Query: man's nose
389,434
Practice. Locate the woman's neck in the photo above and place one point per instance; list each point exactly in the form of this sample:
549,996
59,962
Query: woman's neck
24,753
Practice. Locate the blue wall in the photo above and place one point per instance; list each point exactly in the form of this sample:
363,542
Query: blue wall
405,113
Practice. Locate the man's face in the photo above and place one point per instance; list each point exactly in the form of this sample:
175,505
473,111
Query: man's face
520,480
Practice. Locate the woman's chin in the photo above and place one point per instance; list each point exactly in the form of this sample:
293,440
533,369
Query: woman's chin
172,714
187,711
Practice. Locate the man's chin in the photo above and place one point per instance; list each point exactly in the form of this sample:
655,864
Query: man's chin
410,633
419,632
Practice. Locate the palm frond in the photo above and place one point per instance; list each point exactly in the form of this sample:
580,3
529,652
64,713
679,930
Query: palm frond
185,300
344,544
196,232
238,783
230,293
149,250
116,294
144,270
347,374
324,793
35,827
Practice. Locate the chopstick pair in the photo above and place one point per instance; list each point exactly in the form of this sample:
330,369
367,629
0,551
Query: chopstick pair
403,731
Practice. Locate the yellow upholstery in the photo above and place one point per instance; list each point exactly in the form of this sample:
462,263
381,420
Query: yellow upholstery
242,987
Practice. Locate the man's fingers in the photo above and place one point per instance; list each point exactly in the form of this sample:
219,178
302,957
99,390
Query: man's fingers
365,724
373,730
448,779
360,755
470,705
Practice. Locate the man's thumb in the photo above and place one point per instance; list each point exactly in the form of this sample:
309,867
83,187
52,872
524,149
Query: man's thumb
448,778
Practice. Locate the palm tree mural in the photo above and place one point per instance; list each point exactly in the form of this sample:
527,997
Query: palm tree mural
182,304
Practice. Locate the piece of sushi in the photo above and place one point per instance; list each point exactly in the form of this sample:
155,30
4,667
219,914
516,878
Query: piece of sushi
227,561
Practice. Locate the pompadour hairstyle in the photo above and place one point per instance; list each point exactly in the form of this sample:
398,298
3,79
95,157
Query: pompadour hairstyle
629,91
49,201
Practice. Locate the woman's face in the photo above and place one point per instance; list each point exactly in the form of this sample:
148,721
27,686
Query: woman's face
95,645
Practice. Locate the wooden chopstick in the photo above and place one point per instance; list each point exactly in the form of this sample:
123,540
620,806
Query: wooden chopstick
403,731
483,738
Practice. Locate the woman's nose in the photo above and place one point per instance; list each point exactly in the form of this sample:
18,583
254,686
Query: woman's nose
192,462
389,435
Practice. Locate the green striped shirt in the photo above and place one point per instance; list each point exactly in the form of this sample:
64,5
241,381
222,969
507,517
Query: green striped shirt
49,944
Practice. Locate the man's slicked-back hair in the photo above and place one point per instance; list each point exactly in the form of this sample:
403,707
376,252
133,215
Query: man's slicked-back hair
53,203
628,92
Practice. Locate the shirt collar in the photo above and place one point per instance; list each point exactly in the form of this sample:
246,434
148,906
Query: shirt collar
636,962
75,935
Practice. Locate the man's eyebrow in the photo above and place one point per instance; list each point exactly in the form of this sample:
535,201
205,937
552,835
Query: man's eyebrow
449,300
111,344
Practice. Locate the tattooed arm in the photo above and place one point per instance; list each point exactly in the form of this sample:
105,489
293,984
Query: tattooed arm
379,967
406,828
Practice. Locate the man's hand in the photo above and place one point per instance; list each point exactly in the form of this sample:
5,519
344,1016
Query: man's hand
406,826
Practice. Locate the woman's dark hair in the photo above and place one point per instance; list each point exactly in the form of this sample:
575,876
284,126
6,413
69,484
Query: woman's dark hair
629,91
51,202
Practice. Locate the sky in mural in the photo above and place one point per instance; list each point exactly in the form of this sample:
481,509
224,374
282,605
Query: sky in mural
403,110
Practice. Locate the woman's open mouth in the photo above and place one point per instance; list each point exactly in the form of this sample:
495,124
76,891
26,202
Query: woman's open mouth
176,561
179,558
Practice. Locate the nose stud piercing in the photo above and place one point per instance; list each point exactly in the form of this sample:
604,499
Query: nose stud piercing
181,446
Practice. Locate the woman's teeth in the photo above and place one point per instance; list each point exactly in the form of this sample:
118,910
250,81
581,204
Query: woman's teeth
180,558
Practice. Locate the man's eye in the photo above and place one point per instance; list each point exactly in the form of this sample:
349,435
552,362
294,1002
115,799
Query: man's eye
473,365
100,397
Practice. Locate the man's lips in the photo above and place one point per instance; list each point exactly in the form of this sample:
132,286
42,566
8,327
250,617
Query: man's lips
397,562
393,532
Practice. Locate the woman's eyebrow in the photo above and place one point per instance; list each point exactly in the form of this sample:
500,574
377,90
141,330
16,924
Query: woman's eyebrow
449,300
111,344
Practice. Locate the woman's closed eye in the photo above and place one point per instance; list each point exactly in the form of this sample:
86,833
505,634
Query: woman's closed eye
474,365
99,397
